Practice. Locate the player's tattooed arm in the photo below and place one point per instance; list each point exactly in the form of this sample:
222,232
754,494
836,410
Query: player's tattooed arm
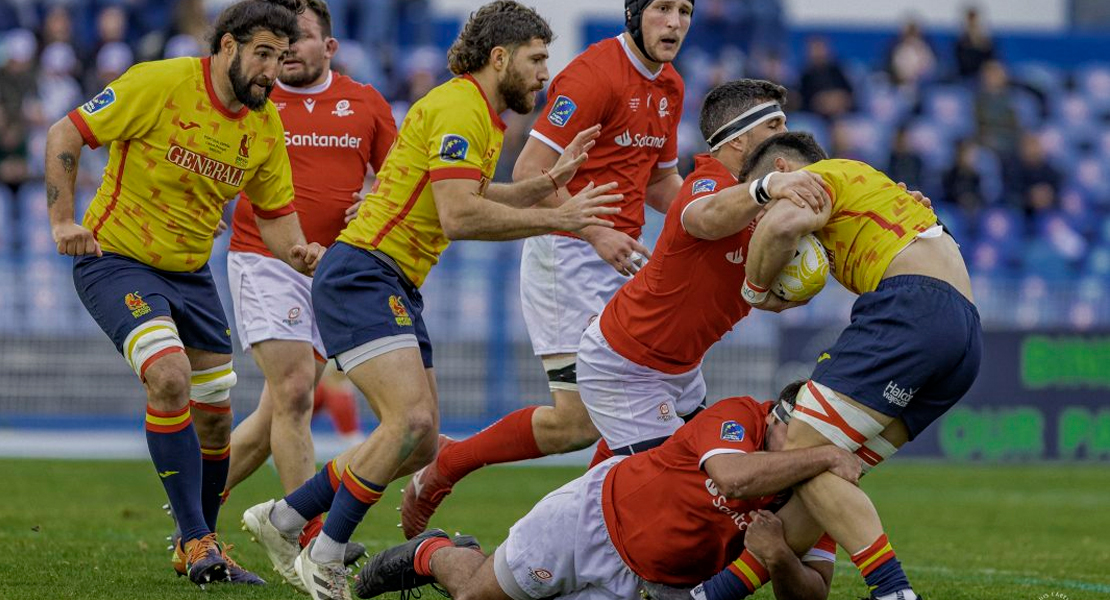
63,148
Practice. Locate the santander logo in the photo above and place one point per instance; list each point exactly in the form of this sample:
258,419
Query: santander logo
627,140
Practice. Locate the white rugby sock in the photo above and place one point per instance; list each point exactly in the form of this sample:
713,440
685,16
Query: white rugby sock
906,594
326,550
287,519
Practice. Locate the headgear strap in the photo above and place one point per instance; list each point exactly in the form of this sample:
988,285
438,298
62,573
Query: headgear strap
744,123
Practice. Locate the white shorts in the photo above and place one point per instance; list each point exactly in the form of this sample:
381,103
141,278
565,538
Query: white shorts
271,301
563,283
562,548
628,402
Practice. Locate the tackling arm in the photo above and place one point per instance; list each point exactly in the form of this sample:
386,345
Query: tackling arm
743,475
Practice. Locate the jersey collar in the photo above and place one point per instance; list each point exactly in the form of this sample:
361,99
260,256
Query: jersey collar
316,89
640,68
205,66
496,118
708,162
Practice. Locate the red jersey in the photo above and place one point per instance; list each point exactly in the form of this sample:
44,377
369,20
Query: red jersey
333,131
688,295
638,112
666,517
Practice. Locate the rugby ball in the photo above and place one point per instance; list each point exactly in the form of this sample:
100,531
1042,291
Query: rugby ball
805,274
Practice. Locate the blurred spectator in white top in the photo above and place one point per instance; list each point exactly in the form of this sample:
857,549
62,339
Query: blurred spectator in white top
912,60
18,86
974,47
824,87
111,61
59,91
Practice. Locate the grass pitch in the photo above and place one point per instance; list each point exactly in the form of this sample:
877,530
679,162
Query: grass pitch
975,532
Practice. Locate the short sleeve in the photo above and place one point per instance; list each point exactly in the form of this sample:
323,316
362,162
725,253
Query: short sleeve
455,142
385,131
127,109
728,427
270,191
576,100
698,189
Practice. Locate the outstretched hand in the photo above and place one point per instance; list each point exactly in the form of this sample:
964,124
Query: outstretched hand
586,207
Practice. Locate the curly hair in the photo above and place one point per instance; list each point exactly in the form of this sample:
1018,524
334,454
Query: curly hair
504,23
243,19
731,99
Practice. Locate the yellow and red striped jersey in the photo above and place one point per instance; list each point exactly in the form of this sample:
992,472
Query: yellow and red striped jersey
452,133
178,155
872,220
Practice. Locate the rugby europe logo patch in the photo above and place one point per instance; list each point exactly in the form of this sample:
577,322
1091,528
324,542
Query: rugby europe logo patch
703,186
731,431
561,111
453,148
100,101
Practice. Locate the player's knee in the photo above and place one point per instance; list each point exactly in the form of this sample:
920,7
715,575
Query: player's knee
294,394
167,383
562,373
212,386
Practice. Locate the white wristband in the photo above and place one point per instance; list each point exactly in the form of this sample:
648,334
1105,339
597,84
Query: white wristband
751,294
758,189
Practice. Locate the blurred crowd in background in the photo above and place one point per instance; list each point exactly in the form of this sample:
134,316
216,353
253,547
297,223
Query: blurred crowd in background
1013,155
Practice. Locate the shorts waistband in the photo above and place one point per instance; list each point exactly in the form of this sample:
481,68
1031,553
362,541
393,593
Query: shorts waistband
900,281
386,260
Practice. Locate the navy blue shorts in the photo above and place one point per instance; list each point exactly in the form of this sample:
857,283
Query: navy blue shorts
911,351
359,299
122,293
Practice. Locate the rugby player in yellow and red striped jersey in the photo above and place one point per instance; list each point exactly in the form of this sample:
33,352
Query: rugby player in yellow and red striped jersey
912,349
187,135
433,188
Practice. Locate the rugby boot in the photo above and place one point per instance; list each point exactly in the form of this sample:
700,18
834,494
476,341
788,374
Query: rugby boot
423,495
204,560
282,550
324,581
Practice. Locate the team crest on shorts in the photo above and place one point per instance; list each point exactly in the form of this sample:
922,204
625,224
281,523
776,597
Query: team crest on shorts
731,431
540,575
136,304
400,314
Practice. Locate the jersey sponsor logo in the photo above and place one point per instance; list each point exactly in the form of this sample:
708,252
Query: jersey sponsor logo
720,502
343,109
898,395
400,314
703,186
100,101
453,148
204,166
136,304
309,104
561,111
735,257
731,431
316,140
627,140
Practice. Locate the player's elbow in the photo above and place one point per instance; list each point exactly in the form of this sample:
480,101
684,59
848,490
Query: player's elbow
64,133
454,226
792,223
740,484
